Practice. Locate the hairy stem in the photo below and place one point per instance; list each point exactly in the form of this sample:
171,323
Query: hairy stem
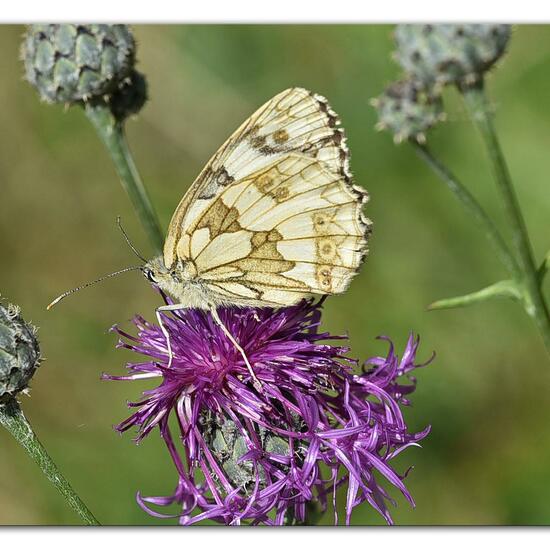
112,134
534,303
472,206
13,419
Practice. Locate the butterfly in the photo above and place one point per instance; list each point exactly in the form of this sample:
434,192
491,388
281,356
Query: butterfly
273,217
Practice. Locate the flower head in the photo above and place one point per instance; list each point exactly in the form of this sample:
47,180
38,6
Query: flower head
71,63
19,352
450,54
263,455
408,110
76,64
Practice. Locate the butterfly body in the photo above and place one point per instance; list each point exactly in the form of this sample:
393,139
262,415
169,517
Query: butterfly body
190,291
273,217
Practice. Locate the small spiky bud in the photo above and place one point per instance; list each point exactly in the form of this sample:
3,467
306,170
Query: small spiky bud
450,54
408,110
19,352
74,63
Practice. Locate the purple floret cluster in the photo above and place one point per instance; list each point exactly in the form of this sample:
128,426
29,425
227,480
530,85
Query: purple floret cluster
266,455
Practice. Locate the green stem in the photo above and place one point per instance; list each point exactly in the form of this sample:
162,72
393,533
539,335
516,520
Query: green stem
112,134
13,419
534,303
472,206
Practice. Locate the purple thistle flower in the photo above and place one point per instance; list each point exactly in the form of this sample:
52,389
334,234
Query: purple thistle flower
262,456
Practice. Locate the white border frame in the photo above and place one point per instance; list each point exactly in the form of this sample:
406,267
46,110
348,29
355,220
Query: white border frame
277,11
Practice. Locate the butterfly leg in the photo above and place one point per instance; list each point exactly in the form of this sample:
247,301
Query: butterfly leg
225,330
158,311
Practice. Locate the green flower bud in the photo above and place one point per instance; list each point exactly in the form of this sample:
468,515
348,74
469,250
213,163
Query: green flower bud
408,110
450,54
19,352
73,63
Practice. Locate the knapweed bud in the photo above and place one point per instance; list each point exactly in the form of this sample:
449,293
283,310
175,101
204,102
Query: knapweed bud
408,110
73,63
450,54
19,352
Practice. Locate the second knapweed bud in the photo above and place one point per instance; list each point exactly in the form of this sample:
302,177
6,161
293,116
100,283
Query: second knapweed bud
450,54
19,352
408,110
78,63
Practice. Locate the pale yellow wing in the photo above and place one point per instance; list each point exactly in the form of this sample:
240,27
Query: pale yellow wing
295,120
274,216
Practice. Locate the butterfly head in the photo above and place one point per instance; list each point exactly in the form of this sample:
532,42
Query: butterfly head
155,271
175,280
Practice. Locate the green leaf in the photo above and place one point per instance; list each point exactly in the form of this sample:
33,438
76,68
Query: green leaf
502,289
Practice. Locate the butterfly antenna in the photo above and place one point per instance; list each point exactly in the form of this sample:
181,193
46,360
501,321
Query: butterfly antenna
69,292
128,241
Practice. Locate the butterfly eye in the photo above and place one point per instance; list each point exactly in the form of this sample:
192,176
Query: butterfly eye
149,275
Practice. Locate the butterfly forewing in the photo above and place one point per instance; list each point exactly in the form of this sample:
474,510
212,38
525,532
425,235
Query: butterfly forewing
274,216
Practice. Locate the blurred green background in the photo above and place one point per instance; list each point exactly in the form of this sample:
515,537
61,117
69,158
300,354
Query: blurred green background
487,459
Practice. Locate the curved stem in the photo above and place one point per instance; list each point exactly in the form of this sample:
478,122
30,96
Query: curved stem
472,206
534,303
13,419
112,134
